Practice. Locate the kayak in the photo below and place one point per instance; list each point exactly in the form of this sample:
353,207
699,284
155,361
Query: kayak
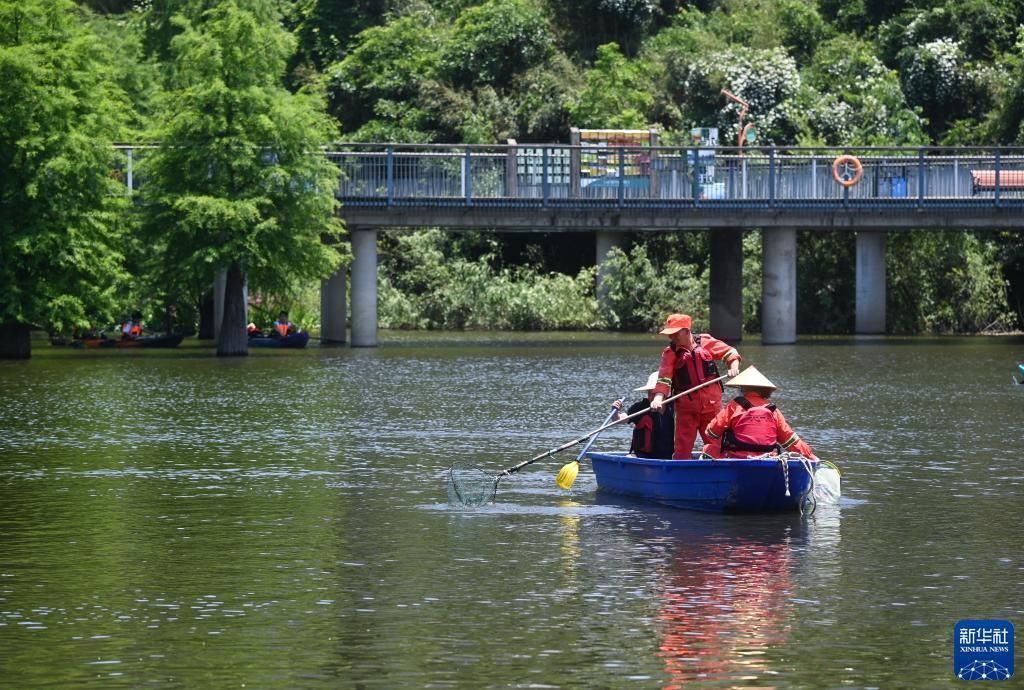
719,486
291,340
142,341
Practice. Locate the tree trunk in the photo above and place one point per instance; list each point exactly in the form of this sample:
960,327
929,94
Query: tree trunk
233,340
206,316
15,341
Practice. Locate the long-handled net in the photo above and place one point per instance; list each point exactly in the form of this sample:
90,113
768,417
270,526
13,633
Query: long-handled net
471,487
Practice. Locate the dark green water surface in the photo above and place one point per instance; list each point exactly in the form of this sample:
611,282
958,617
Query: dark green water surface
171,520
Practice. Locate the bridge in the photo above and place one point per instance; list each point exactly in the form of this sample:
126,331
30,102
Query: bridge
615,190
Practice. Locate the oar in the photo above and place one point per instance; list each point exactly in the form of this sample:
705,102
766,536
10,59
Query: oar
584,437
567,475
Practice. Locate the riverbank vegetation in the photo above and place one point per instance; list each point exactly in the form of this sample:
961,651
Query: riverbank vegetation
938,282
244,82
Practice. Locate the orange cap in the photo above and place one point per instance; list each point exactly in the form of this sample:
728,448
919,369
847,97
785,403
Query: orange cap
675,323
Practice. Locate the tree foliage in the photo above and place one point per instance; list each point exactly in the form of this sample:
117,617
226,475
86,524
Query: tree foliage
229,188
495,41
618,93
239,182
60,220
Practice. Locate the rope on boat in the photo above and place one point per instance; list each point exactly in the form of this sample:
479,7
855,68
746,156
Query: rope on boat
810,497
784,459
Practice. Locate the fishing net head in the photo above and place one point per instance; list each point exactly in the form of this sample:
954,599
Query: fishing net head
469,486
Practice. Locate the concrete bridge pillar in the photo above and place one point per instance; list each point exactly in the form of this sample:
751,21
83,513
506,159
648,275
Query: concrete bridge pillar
333,308
604,241
778,291
364,288
727,284
870,309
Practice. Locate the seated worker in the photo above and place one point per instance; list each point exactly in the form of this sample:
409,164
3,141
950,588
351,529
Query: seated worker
652,432
132,328
253,331
283,326
750,425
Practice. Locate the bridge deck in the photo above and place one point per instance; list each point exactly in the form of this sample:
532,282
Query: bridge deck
553,187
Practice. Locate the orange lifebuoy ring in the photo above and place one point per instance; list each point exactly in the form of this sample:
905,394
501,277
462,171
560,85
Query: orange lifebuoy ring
847,170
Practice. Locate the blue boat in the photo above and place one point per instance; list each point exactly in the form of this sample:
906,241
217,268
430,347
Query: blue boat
719,486
291,340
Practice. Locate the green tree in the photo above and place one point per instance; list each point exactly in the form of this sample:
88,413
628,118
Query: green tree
495,41
543,98
1006,120
376,85
618,93
825,285
588,24
239,182
945,282
59,203
324,28
653,278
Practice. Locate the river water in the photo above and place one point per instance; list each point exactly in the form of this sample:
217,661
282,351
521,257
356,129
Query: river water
172,520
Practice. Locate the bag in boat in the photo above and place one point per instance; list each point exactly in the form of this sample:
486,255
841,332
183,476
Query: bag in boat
827,483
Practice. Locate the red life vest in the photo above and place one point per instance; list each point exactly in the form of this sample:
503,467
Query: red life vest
282,328
643,435
753,429
693,367
135,331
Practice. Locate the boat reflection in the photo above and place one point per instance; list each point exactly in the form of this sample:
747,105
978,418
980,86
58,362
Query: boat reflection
724,608
725,601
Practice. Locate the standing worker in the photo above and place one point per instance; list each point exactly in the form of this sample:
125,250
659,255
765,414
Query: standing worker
689,361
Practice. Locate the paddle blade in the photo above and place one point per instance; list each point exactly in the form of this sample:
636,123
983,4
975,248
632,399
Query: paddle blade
567,475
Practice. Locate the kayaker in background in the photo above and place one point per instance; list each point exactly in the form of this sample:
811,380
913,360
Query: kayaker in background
750,425
689,361
132,328
283,326
652,432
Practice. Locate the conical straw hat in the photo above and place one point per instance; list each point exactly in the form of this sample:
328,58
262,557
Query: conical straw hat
652,381
751,378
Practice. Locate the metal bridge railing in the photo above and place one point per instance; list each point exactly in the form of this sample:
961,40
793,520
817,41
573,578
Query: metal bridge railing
556,175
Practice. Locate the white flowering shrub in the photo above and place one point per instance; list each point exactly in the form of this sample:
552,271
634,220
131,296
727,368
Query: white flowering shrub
766,79
937,78
932,73
855,99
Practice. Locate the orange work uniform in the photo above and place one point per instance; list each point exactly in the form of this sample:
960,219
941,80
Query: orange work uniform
684,368
776,430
